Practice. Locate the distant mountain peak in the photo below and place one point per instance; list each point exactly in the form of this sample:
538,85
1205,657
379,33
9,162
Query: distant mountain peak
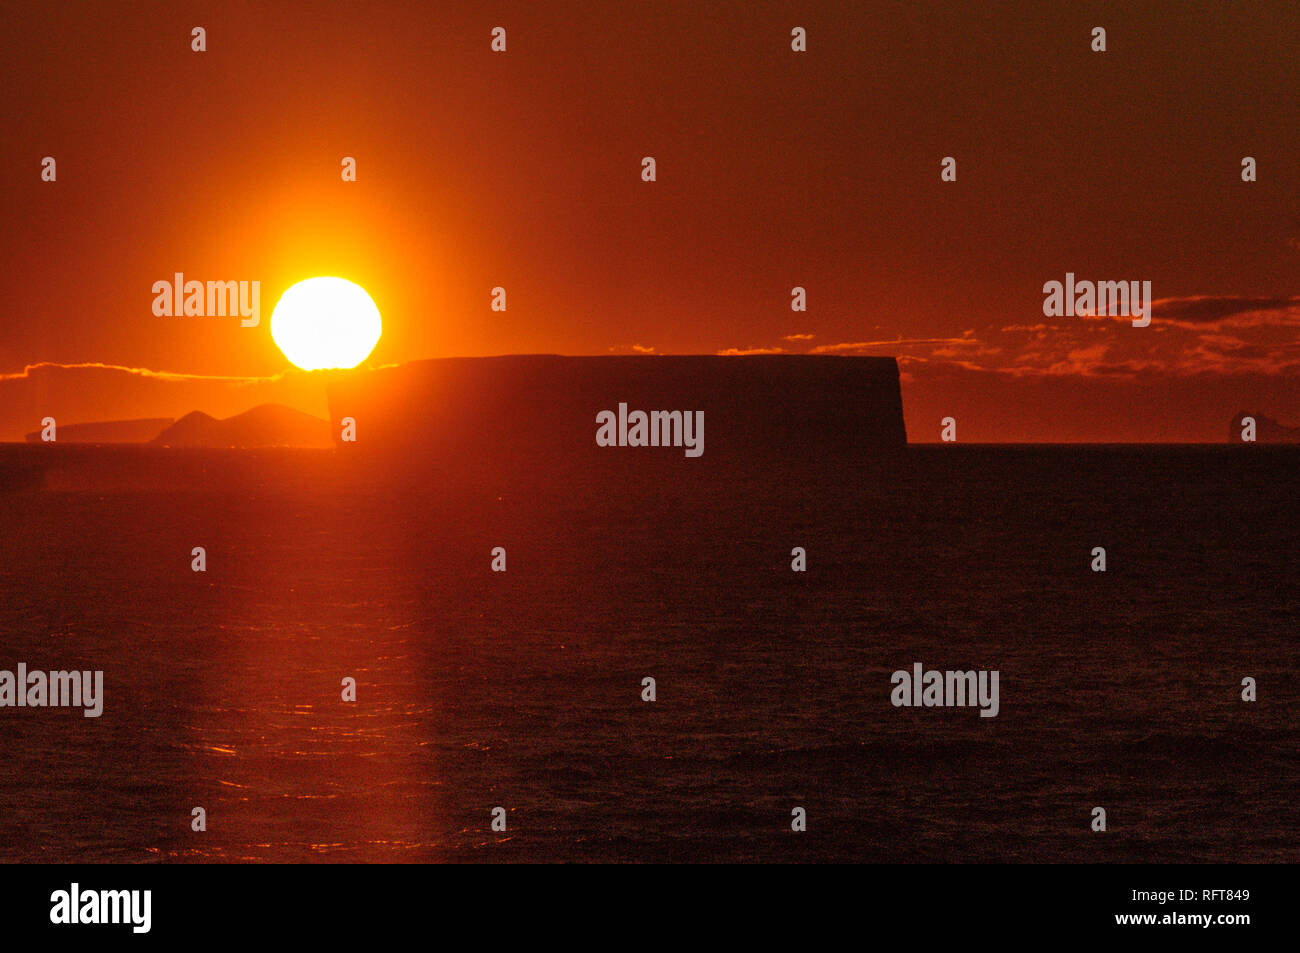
267,425
196,416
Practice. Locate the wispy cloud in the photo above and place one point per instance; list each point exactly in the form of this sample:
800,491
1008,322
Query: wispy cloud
1190,336
849,346
631,349
1235,310
139,372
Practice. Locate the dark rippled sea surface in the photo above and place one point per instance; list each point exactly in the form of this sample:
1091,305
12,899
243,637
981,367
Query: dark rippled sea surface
477,689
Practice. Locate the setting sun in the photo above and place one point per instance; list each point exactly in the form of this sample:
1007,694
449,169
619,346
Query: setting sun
325,323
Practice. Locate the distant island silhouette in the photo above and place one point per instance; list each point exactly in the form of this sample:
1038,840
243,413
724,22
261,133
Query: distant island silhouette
1267,430
107,431
268,425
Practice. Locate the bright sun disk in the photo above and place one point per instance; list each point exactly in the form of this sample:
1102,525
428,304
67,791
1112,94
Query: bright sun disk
324,323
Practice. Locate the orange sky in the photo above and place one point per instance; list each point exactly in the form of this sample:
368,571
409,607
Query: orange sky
775,169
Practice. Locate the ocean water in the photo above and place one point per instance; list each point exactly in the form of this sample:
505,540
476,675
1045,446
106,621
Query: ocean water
523,689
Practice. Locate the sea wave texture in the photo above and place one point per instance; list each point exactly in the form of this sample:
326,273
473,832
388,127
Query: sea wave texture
523,689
